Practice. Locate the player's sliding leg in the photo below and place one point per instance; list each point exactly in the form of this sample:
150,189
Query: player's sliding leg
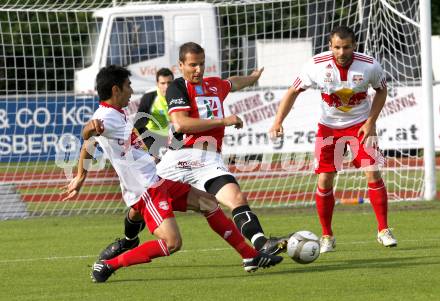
169,242
377,193
252,260
325,203
228,193
133,225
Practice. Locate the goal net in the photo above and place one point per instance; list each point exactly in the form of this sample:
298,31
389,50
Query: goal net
48,53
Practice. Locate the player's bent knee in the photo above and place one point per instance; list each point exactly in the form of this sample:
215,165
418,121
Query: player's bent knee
240,199
169,232
325,180
174,244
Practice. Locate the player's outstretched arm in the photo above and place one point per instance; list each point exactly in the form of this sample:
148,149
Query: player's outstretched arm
183,123
240,82
72,189
286,105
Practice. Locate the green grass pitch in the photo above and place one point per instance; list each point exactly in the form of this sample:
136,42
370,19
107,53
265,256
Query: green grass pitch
49,259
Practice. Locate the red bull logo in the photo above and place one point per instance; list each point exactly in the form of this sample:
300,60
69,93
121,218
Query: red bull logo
344,99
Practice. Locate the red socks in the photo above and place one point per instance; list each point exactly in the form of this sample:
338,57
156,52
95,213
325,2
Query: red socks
325,203
224,227
141,254
379,201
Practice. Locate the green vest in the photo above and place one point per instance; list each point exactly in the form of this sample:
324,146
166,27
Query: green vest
159,120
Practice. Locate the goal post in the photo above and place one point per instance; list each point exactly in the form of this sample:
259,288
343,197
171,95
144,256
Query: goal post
47,50
430,191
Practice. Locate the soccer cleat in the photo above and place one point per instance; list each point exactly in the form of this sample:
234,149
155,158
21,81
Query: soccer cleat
275,245
328,244
386,238
101,271
262,260
119,246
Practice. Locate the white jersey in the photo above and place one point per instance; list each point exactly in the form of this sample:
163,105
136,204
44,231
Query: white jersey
135,167
343,89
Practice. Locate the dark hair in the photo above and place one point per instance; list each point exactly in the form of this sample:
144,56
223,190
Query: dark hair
189,47
108,77
343,32
164,72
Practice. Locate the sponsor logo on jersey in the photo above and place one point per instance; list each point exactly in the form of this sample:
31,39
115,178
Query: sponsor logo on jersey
199,90
213,90
164,205
177,101
329,66
222,168
344,99
189,164
357,79
328,77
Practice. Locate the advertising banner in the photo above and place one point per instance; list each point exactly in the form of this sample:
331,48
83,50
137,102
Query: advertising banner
400,124
36,128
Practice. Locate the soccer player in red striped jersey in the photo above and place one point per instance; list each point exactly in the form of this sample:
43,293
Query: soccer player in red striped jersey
195,106
153,198
348,118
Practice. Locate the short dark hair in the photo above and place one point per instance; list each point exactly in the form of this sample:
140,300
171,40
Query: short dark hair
342,32
189,47
164,72
108,77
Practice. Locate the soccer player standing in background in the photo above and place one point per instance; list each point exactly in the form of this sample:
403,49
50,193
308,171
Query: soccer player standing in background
153,111
343,77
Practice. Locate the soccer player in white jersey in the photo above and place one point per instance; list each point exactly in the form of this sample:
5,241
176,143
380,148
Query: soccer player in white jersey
343,77
154,198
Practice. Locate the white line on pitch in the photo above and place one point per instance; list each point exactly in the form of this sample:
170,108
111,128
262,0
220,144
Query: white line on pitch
187,251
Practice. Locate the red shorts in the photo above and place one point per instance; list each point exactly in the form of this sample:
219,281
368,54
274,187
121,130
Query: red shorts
159,201
331,144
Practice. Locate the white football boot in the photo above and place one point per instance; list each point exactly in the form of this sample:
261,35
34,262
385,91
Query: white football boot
328,244
386,238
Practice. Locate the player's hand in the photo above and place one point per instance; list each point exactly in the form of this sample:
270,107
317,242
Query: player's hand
94,127
368,133
257,73
98,126
276,131
233,120
72,189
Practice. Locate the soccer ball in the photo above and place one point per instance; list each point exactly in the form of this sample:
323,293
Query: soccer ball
303,247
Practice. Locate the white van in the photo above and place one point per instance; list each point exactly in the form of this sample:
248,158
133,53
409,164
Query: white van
145,38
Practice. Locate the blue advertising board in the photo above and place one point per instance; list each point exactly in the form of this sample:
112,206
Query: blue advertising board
40,127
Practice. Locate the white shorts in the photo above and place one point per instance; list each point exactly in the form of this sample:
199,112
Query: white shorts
191,165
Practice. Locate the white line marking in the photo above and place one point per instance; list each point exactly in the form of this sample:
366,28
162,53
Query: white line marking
190,251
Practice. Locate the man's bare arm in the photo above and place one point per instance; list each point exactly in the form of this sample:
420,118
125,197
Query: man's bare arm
240,82
183,123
